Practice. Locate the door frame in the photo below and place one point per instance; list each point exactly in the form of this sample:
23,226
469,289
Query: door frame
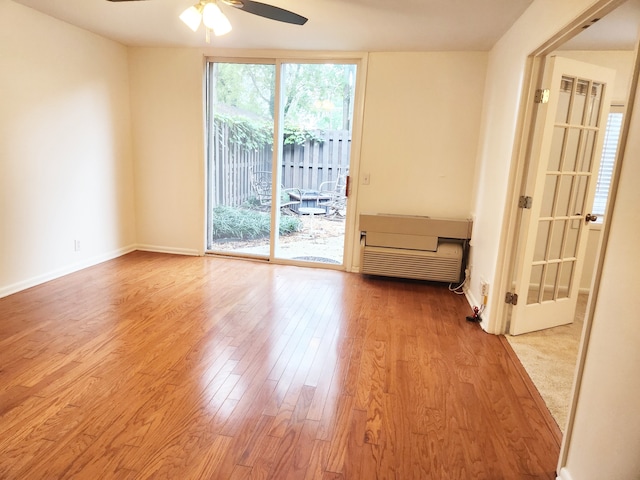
532,80
277,58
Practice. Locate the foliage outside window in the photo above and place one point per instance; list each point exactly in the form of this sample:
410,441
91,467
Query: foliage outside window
245,92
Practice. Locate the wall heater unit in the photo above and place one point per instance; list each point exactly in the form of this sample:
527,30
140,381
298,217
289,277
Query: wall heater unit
405,246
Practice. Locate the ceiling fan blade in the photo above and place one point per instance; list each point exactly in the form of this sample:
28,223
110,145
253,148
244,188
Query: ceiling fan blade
267,11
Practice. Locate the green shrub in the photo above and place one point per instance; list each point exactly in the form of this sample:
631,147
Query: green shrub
246,224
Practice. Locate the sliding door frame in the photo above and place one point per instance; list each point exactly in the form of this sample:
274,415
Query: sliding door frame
360,59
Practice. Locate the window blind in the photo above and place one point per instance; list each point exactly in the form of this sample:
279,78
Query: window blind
609,151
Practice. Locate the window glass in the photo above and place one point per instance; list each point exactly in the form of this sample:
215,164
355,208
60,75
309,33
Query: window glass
609,152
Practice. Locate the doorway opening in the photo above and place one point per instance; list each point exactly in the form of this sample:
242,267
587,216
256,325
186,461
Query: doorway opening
279,137
551,356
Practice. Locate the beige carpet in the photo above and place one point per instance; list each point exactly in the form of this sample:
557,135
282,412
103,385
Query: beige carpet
549,357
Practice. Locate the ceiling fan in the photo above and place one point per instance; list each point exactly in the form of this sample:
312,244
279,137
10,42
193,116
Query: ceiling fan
209,13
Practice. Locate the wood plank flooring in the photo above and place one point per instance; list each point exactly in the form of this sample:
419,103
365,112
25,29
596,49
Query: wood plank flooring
172,367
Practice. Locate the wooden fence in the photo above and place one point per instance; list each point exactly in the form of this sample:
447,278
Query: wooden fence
307,166
304,166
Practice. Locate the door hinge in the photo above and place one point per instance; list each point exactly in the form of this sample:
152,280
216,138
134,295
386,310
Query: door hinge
511,298
525,202
542,95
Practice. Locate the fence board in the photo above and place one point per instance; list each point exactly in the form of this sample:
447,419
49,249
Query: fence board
303,166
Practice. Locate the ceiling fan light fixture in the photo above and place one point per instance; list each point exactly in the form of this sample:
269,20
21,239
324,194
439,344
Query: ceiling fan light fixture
192,17
215,20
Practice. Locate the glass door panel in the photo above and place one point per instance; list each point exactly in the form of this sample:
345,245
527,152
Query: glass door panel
316,117
240,143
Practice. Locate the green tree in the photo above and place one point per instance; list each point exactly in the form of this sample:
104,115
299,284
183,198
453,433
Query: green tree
316,96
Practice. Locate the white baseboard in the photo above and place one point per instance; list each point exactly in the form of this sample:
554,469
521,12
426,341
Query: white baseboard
564,475
474,303
61,272
174,251
470,298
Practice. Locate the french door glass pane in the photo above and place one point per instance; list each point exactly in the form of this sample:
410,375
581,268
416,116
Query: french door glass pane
563,195
579,102
550,282
540,253
566,277
564,102
557,144
587,156
555,249
581,195
571,151
535,284
595,104
549,191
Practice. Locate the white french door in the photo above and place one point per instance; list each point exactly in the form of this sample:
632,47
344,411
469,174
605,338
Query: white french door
564,163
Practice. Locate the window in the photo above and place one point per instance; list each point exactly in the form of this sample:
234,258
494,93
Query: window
609,152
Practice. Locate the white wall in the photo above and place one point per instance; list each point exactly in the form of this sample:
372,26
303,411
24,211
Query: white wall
605,440
420,132
65,150
168,132
421,129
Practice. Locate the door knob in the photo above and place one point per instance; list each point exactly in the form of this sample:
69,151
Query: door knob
590,218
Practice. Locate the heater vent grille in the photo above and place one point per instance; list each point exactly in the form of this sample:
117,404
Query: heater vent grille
443,265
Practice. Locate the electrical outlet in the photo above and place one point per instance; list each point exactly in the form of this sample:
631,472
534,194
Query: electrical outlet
76,245
484,288
366,178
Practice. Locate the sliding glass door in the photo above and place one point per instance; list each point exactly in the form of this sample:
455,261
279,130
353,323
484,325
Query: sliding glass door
240,119
278,149
317,117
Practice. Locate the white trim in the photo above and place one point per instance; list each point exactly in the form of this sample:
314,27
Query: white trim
548,288
61,272
171,250
564,474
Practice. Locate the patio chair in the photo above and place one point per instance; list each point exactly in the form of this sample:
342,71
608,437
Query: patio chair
261,185
336,190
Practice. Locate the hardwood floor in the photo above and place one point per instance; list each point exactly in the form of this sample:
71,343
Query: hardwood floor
159,366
